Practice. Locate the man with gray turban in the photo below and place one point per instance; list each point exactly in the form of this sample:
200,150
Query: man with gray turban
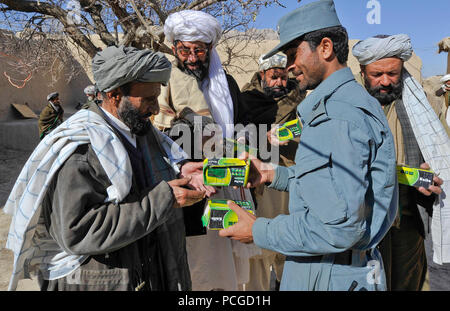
271,97
105,211
383,74
198,83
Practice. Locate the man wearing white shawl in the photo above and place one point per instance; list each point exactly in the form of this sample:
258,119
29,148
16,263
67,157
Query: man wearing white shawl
96,205
420,141
199,82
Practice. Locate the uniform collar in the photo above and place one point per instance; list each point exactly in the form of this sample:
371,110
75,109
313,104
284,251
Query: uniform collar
314,102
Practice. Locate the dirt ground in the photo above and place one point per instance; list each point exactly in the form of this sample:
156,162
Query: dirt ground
11,163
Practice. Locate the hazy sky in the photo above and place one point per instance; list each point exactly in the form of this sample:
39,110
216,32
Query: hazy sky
426,22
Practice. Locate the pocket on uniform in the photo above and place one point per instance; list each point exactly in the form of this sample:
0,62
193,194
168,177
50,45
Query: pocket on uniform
317,187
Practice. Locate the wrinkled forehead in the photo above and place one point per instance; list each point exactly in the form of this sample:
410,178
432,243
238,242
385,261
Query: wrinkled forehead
279,72
145,89
389,64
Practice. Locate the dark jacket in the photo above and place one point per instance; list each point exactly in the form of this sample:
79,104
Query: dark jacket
137,244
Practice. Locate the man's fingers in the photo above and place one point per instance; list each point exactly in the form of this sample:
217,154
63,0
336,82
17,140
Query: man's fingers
425,166
438,181
181,181
227,232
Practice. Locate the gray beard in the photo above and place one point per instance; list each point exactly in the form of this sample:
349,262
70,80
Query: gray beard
200,73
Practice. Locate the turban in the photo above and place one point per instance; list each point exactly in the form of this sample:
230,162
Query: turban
276,61
373,49
445,78
192,25
52,96
89,90
117,66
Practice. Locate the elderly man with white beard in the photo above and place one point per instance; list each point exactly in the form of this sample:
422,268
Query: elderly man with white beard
199,82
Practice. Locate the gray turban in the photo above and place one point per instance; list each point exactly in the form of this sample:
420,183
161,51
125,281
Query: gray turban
373,49
116,66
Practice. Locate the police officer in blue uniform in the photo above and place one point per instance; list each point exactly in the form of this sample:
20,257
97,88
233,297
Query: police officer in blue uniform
342,190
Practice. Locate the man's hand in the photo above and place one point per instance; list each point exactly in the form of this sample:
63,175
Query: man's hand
242,230
195,171
273,139
437,183
183,196
260,172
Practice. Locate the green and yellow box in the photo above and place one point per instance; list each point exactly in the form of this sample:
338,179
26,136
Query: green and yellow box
414,177
289,130
225,172
218,215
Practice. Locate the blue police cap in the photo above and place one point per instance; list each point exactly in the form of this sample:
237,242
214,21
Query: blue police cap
310,17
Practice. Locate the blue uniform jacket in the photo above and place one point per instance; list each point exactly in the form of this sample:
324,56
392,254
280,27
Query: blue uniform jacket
342,191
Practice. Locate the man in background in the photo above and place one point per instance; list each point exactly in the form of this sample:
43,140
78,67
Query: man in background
271,97
51,116
384,76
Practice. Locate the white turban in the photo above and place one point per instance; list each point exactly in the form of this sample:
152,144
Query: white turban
89,90
445,78
190,25
276,61
373,49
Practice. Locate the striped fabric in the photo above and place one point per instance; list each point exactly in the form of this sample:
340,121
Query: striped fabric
434,144
32,246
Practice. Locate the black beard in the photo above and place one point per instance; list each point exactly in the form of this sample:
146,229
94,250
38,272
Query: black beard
394,91
136,122
274,92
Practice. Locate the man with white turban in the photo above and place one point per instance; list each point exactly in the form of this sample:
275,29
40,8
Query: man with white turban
444,91
199,82
271,97
91,93
411,120
97,205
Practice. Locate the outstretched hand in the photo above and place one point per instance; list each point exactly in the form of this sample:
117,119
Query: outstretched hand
435,187
260,172
242,230
184,196
194,170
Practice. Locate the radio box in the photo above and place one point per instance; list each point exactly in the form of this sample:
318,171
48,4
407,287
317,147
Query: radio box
414,177
225,172
289,130
218,215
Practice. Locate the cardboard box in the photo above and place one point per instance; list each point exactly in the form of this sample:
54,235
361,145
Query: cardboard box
219,216
225,172
289,130
414,177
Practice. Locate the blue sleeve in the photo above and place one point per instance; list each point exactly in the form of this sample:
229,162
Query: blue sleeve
283,175
327,193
